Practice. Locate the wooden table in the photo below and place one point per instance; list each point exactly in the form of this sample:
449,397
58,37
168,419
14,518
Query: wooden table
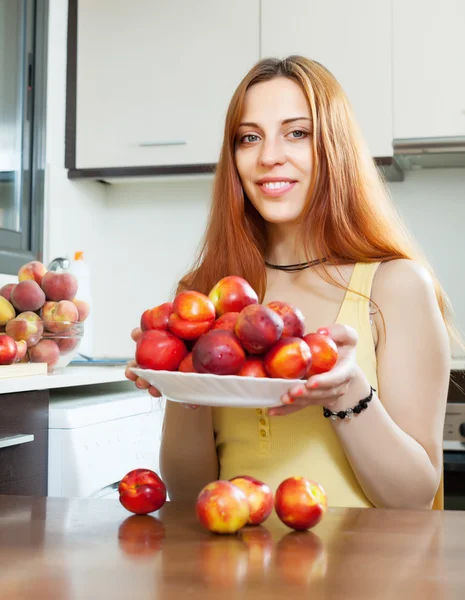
54,549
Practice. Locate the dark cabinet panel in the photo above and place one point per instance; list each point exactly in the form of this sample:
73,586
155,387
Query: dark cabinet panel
24,464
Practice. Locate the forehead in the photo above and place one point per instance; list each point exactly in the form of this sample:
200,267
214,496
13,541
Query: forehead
276,99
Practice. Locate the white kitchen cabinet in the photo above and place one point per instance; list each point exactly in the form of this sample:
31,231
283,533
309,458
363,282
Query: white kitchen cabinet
154,78
350,38
429,68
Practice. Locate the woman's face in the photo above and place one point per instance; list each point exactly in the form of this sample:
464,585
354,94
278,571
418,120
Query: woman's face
273,149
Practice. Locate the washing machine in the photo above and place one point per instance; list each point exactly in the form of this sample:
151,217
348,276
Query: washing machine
97,433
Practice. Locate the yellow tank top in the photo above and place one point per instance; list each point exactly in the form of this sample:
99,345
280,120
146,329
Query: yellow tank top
249,442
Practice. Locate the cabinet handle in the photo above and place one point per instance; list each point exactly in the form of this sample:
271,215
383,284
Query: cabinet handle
167,143
16,440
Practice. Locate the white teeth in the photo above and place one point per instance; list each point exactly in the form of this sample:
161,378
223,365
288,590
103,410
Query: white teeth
275,185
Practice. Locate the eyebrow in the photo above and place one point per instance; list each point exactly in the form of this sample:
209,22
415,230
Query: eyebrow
285,122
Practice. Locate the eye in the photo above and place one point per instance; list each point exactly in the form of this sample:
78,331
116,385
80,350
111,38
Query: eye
298,134
249,138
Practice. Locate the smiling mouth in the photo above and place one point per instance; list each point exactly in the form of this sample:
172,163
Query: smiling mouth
276,188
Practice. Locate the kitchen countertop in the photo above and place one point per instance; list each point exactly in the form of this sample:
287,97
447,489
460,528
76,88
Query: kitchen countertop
87,548
68,377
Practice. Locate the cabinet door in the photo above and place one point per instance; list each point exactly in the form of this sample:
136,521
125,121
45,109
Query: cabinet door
350,38
24,443
154,78
429,68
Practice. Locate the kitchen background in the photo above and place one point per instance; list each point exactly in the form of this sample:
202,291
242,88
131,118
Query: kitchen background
139,235
153,72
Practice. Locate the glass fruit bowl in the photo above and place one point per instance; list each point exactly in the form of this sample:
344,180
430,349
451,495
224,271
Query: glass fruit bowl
58,348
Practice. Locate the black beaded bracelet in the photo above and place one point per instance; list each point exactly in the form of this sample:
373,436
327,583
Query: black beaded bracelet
349,413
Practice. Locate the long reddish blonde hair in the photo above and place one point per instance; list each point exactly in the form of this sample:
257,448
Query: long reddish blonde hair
349,216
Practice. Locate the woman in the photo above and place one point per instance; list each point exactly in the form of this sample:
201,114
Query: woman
295,185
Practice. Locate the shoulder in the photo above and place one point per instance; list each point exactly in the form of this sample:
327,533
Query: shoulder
405,296
403,279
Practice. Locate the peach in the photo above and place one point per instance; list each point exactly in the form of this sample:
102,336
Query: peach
253,367
258,328
59,316
218,352
193,314
259,497
324,353
142,491
46,351
83,309
34,270
157,317
232,294
187,330
27,295
27,326
59,286
187,366
300,503
289,358
227,321
6,290
160,351
194,306
7,311
8,350
21,346
292,317
222,507
67,344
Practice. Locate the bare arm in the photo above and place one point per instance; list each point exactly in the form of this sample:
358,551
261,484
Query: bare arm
395,447
188,459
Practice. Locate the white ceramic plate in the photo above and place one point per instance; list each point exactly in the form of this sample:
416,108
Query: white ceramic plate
218,390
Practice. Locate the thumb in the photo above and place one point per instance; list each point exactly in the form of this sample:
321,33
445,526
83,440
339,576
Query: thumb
343,335
136,333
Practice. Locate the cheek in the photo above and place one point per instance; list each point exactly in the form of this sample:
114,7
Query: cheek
244,166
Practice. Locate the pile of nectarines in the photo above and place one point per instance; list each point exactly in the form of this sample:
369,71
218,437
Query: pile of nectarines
41,304
227,506
229,332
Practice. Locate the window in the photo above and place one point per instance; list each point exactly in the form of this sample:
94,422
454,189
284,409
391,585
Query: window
23,25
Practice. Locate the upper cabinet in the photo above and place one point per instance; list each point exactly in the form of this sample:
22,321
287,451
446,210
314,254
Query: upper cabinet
350,38
154,79
429,68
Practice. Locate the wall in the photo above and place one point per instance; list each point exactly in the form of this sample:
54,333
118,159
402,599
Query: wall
74,211
433,205
154,230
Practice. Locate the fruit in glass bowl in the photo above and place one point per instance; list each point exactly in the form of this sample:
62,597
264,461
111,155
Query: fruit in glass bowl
58,349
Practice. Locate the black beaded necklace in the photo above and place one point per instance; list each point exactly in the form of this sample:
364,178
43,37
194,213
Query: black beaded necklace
297,266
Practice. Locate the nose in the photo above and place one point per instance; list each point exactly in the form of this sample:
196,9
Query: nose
272,152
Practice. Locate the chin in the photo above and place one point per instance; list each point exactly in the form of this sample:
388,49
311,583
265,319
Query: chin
278,216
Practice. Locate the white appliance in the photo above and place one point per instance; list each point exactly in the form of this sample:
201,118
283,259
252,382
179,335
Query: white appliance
97,433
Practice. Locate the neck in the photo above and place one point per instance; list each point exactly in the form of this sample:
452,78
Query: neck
282,244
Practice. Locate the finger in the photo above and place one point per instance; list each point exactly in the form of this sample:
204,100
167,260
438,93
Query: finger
142,384
136,333
343,335
282,411
129,374
154,392
338,376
